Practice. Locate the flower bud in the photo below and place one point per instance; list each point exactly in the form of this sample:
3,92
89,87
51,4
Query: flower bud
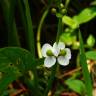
91,41
53,10
61,5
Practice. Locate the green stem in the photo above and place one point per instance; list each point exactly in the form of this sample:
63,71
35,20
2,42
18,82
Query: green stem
67,3
50,81
39,31
59,30
60,25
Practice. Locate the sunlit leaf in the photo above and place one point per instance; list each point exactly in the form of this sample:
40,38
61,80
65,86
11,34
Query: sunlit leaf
69,21
76,85
85,15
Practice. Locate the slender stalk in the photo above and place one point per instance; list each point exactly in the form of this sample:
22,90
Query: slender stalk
39,32
67,3
59,30
50,81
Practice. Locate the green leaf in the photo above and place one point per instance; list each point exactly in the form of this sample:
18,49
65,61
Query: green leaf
86,75
8,76
85,15
76,85
14,62
70,22
91,55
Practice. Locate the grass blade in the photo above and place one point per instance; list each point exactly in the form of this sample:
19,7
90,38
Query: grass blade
29,32
8,11
87,79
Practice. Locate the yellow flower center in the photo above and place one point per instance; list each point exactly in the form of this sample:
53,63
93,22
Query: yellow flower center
49,53
62,53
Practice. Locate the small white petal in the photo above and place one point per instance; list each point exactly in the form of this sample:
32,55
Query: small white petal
68,53
49,61
63,61
45,48
56,49
61,45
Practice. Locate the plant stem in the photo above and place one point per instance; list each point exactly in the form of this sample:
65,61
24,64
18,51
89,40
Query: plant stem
39,32
59,30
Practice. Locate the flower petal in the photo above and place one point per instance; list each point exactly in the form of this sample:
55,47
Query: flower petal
56,49
63,61
45,48
49,61
61,45
68,53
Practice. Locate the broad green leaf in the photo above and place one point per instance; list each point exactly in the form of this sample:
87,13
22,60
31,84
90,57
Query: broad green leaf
14,62
8,76
91,55
85,15
86,75
76,85
70,22
18,56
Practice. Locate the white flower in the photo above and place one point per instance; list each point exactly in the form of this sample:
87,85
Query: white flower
58,51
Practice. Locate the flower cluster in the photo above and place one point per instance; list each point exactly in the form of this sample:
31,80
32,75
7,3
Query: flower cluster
57,51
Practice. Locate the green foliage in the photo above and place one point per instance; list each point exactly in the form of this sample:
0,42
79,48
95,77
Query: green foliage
76,85
68,38
70,22
85,15
91,55
15,62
